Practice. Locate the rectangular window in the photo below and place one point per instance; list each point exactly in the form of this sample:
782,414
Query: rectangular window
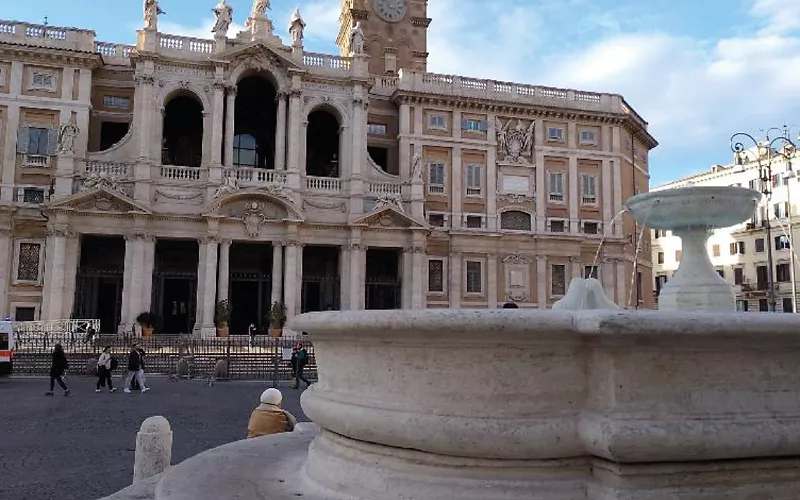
591,272
376,129
555,134
782,273
474,180
759,245
763,305
660,257
558,279
737,247
474,222
591,228
741,305
781,242
436,178
474,125
38,141
556,186
116,101
28,261
42,80
557,225
588,189
474,277
715,250
588,137
761,277
33,195
436,220
738,276
781,210
438,122
787,305
436,276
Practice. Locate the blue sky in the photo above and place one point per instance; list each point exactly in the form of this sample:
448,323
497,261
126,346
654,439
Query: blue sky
698,71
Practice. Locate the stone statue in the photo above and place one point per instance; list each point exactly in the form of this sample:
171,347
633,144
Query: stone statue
357,40
229,185
151,12
66,138
296,28
224,14
260,8
386,200
416,168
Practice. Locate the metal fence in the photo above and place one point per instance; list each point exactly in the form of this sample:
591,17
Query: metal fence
176,355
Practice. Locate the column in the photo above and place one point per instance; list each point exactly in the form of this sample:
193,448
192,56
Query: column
208,328
358,265
344,278
405,143
608,206
149,250
541,281
419,270
277,273
7,250
70,276
224,270
218,115
145,97
574,193
359,133
54,276
290,285
9,155
491,181
293,147
128,315
456,188
408,277
619,269
230,123
540,198
491,281
280,132
617,177
201,284
454,290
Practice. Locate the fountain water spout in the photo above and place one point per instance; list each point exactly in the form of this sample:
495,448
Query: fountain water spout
584,294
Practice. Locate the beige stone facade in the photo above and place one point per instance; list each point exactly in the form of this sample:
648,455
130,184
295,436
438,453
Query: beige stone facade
178,172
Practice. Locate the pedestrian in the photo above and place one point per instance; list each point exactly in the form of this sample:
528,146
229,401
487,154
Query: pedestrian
105,365
135,370
57,369
90,333
269,417
293,363
142,356
251,330
302,360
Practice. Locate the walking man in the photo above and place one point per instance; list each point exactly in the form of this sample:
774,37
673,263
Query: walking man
302,360
135,369
57,369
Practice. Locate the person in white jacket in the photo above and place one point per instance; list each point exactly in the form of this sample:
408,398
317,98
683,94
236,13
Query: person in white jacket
104,370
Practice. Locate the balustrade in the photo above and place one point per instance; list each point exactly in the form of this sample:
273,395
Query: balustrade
384,188
108,168
185,44
323,184
181,173
327,61
256,176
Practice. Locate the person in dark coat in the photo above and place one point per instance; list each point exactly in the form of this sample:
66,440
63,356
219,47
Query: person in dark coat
302,360
135,369
57,369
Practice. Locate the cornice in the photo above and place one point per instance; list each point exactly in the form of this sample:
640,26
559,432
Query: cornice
62,57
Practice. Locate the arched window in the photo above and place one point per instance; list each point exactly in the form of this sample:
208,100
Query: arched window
256,118
245,151
182,140
514,220
322,144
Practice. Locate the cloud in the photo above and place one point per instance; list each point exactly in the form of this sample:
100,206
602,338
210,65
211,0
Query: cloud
779,16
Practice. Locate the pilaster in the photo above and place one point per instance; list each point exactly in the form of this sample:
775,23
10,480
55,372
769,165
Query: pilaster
207,294
608,206
218,120
455,291
617,176
277,273
540,199
293,147
358,264
56,250
230,122
280,132
574,195
541,281
456,188
224,270
491,187
491,281
70,274
7,249
10,149
619,270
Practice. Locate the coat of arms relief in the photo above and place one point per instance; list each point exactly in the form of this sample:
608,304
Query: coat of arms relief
514,141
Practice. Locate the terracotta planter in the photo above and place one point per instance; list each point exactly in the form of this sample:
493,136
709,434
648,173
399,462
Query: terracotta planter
222,331
275,332
147,331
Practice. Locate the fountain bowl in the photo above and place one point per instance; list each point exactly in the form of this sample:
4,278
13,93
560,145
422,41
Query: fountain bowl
694,207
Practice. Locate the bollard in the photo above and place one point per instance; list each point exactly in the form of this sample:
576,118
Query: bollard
153,448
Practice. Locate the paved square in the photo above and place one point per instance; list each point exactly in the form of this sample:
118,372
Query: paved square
81,447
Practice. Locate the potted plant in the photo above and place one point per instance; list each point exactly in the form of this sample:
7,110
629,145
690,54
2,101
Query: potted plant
147,320
277,318
223,315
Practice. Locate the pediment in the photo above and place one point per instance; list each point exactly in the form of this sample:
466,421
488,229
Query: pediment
100,199
257,54
389,218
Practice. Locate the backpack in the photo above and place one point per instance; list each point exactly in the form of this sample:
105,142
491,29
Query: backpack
114,363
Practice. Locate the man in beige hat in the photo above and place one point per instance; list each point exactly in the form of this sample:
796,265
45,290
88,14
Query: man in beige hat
269,417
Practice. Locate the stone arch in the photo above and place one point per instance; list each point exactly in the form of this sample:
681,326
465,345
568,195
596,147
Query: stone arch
282,200
172,90
332,106
516,219
183,128
245,69
324,139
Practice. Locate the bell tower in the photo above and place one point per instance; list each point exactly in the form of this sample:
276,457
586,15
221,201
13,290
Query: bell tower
395,33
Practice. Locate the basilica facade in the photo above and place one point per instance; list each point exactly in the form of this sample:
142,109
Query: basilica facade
180,172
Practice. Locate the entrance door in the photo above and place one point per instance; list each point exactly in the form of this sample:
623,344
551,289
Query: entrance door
177,305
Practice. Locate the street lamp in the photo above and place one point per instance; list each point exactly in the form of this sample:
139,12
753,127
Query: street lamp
766,149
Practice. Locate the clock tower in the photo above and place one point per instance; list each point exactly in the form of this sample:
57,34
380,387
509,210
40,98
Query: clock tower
395,33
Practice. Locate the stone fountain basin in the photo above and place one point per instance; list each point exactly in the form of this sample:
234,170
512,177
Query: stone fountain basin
628,386
694,207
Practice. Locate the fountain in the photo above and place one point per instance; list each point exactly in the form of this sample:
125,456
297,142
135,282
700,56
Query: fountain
585,402
691,213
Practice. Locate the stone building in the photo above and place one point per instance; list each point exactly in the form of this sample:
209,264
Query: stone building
741,253
172,174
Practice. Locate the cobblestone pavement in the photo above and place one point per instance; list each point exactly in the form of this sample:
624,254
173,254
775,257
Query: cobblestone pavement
81,447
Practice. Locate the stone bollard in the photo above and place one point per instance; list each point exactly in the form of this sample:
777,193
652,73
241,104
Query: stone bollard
153,448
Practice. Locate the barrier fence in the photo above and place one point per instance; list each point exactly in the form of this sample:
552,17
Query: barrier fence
264,358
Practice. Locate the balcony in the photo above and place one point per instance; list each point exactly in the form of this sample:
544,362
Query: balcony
324,184
172,173
379,188
255,177
111,169
36,161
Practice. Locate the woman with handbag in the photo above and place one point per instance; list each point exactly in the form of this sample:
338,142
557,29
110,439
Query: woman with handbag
57,369
104,367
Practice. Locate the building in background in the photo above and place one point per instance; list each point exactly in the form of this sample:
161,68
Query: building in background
179,172
741,253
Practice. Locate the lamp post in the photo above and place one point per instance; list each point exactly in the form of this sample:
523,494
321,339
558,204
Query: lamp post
766,149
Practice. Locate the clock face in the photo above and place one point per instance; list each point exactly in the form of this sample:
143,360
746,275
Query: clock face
390,10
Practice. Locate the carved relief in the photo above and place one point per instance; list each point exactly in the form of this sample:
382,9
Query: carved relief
254,217
195,198
340,207
517,260
514,143
386,200
517,274
106,180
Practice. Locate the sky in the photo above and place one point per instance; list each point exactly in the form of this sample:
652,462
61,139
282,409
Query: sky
697,70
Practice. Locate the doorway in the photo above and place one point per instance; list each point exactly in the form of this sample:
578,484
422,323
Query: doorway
98,287
383,286
175,285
